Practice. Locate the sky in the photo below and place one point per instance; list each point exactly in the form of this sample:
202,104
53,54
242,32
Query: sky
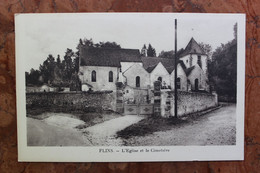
39,35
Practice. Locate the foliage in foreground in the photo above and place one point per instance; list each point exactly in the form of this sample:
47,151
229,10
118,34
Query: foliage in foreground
149,125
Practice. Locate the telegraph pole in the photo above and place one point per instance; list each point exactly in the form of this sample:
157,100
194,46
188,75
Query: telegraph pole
175,73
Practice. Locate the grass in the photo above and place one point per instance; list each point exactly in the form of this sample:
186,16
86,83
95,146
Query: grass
149,125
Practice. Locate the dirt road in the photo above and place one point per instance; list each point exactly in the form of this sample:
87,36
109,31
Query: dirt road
216,128
40,133
59,130
103,134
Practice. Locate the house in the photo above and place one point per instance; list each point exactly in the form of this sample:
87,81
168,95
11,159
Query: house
32,88
102,68
41,88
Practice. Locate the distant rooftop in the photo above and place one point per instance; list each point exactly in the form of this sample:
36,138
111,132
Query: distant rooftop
110,57
150,63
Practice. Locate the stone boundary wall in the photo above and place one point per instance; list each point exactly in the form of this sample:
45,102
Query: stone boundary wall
188,102
95,101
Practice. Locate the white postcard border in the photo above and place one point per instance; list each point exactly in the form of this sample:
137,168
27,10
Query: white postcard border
93,154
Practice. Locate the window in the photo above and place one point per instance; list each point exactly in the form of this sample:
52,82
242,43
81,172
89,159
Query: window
178,81
190,60
196,84
187,61
199,60
137,81
160,79
93,76
157,101
110,76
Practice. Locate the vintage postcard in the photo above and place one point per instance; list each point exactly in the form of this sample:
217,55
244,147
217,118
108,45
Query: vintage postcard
118,87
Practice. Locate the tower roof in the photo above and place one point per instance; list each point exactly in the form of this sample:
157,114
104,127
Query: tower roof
192,48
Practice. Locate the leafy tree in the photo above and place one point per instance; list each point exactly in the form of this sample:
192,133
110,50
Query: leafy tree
112,45
223,69
235,31
76,54
47,69
33,77
90,43
167,54
76,64
170,54
68,66
58,73
151,51
207,49
58,61
75,84
27,78
87,42
80,42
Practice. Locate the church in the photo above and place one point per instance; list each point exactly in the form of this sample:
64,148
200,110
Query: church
106,68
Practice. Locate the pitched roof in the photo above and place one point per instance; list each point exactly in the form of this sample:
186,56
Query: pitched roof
149,63
192,48
107,56
189,70
150,69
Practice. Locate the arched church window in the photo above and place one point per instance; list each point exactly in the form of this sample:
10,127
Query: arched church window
191,60
137,81
160,79
110,76
93,76
199,60
196,84
178,81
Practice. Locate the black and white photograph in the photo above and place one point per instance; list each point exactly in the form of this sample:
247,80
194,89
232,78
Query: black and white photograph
130,86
